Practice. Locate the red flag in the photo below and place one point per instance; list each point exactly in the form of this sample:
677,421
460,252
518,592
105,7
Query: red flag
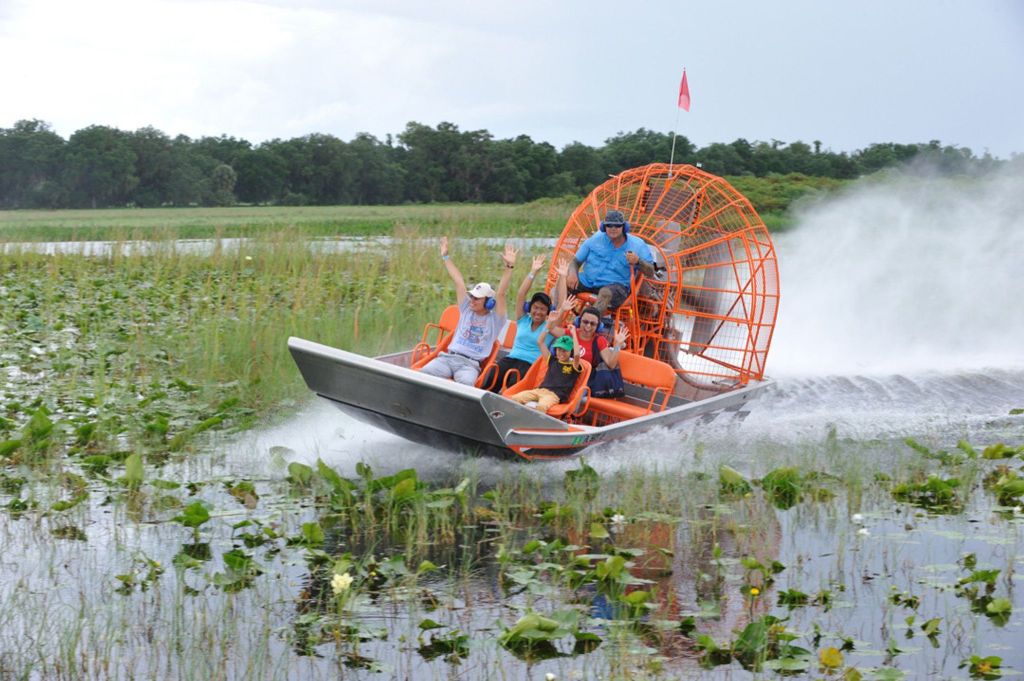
684,93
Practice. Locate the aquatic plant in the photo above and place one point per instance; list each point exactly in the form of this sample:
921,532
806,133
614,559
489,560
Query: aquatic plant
989,667
936,494
151,352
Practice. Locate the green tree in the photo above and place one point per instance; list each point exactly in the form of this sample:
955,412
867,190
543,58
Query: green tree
470,164
320,170
878,156
429,157
223,149
583,163
186,185
31,157
508,182
155,164
632,149
536,161
100,167
722,159
262,175
222,185
378,177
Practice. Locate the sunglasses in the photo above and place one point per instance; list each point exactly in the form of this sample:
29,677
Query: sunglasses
609,225
587,322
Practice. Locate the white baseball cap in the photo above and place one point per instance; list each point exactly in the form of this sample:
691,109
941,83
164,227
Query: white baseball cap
482,290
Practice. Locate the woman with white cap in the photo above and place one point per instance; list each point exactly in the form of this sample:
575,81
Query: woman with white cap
481,319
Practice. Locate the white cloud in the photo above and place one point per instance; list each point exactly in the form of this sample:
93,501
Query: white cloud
847,73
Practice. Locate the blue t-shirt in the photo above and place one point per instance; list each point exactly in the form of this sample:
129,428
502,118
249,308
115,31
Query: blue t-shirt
525,345
605,264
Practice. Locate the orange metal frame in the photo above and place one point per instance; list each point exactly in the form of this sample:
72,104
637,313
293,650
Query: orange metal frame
711,309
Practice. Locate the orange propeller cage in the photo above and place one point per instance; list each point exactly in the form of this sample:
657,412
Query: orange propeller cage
710,310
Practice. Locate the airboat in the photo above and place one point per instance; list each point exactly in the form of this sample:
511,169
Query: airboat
700,331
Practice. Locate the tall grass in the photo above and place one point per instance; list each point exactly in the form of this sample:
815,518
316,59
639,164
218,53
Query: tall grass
181,334
539,218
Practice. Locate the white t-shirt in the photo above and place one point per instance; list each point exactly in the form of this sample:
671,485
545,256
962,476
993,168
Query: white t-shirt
475,334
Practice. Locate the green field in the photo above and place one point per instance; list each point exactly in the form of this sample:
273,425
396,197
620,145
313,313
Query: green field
541,218
772,196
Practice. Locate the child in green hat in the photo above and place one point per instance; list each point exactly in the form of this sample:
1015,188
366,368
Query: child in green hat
561,376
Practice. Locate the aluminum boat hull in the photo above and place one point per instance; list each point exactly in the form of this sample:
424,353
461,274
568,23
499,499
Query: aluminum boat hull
444,414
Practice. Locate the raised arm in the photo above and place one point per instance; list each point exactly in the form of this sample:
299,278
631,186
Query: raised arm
542,343
610,355
556,320
561,286
509,258
453,272
576,350
524,288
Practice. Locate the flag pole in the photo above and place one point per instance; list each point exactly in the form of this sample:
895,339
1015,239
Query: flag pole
682,103
672,156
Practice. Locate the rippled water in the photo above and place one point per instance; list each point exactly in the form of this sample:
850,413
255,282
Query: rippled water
918,338
822,422
897,322
937,408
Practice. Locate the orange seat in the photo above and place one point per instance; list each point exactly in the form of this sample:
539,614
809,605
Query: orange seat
489,374
445,329
650,373
512,377
535,376
424,351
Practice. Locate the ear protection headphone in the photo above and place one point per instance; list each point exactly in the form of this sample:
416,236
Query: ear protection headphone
545,300
489,304
600,324
625,227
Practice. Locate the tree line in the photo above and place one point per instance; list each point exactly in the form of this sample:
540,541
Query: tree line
101,166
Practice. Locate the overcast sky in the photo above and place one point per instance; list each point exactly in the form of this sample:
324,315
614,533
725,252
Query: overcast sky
845,72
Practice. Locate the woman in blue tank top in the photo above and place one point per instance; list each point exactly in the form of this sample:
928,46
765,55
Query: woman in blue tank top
529,327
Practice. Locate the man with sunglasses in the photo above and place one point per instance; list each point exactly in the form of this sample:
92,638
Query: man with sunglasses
607,258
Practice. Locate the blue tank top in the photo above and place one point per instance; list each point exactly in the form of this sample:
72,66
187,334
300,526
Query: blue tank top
525,346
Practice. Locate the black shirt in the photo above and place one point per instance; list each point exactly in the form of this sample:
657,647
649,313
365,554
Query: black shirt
560,378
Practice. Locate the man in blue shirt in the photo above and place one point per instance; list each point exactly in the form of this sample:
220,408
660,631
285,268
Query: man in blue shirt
606,258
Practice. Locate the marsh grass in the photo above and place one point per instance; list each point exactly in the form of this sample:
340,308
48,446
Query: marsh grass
151,350
544,218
